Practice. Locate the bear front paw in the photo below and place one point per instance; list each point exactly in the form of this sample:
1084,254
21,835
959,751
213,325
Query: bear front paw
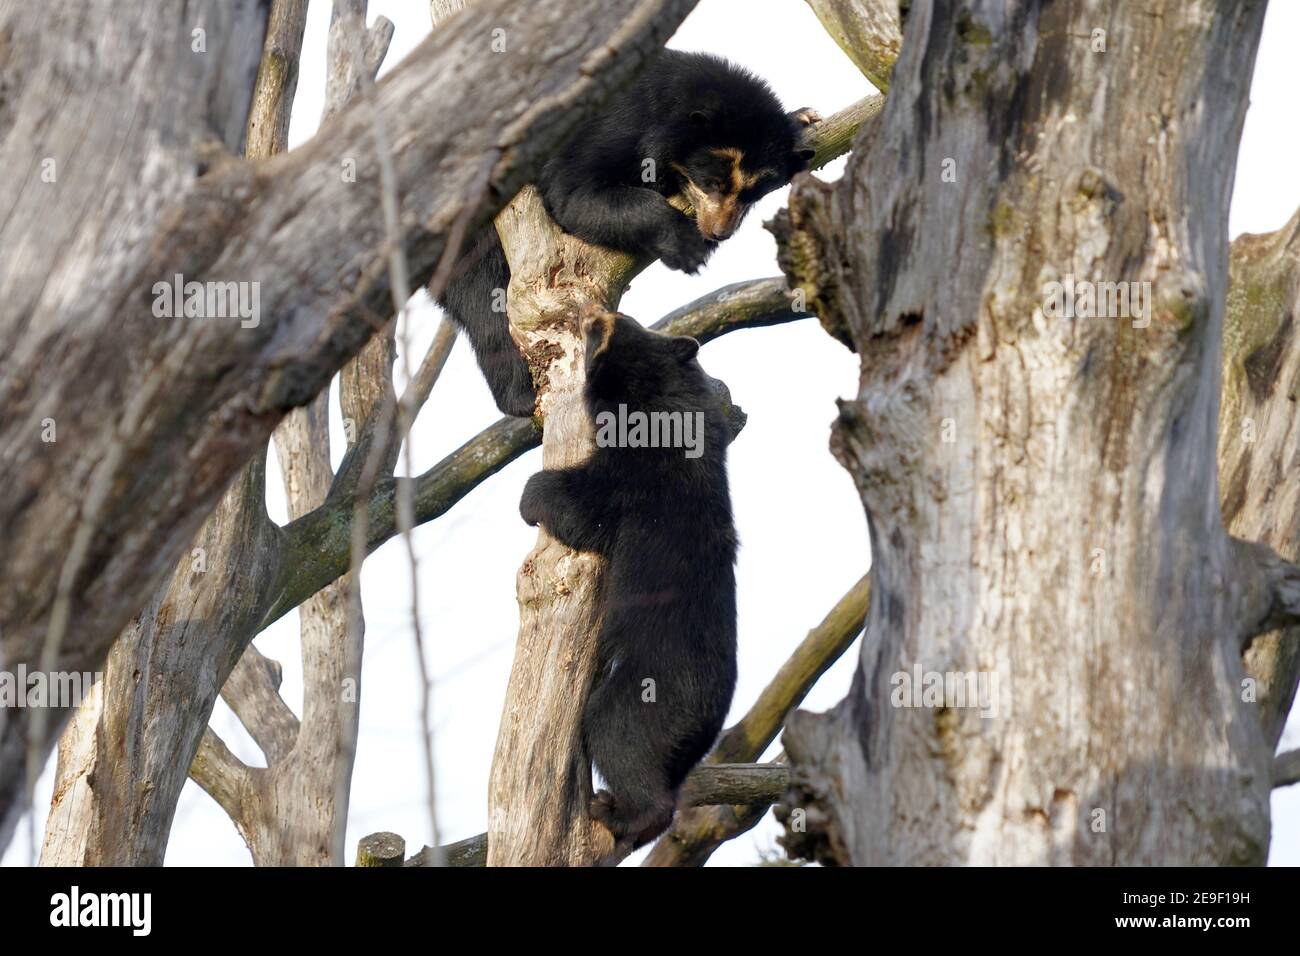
530,504
601,809
685,250
518,404
806,116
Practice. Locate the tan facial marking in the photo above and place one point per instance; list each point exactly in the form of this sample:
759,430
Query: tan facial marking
719,215
740,180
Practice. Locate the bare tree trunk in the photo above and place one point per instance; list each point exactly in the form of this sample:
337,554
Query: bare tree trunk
1041,489
124,759
166,411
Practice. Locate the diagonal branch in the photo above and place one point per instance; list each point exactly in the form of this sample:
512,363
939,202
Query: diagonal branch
869,31
252,691
222,775
833,136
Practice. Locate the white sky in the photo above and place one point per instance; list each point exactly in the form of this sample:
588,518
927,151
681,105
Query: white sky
803,534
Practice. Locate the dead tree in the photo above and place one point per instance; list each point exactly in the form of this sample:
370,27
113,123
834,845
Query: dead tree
155,417
1041,488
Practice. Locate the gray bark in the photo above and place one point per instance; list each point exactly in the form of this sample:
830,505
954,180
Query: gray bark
1041,492
165,412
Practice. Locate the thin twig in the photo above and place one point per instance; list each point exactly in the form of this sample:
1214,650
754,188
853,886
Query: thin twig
400,284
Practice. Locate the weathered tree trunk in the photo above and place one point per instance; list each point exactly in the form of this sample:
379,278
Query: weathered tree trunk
164,412
1040,489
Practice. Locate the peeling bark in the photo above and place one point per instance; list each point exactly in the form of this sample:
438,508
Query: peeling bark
1041,491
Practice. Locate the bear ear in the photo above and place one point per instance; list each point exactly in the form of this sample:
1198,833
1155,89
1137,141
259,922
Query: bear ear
597,330
685,347
700,118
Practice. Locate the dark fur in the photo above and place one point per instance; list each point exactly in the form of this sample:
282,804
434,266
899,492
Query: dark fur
664,524
679,113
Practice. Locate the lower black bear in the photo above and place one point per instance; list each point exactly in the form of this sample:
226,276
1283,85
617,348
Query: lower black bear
692,126
662,519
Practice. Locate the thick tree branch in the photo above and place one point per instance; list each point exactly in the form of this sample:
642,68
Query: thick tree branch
868,31
222,775
1286,768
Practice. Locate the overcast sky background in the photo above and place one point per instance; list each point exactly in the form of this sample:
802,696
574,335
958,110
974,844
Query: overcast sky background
802,530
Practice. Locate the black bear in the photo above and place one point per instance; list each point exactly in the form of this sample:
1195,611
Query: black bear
692,126
661,516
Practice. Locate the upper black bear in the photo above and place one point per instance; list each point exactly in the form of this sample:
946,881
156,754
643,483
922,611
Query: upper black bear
662,519
692,126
